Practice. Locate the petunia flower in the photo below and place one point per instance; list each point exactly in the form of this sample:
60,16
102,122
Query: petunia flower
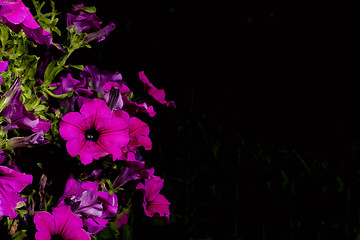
43,125
61,224
96,78
113,92
11,184
122,220
90,205
17,16
3,67
133,170
157,94
86,22
82,21
94,132
154,203
37,138
67,84
16,111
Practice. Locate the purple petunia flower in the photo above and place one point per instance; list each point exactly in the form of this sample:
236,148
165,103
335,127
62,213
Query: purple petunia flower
89,204
154,203
89,23
3,67
96,78
94,132
80,95
37,138
17,16
133,170
61,224
11,183
16,111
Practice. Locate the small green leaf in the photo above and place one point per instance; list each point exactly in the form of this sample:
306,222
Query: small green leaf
79,67
4,35
51,71
20,235
91,9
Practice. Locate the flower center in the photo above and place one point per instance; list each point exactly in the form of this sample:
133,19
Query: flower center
57,237
91,135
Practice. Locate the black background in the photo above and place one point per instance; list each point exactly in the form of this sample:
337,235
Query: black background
264,141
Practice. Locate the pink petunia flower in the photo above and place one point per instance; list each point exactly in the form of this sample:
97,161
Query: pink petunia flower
138,136
62,224
154,203
17,16
157,94
11,183
94,132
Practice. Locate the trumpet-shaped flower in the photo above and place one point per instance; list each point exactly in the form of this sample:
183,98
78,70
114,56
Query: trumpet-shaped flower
11,183
61,224
94,132
17,16
86,22
16,111
155,204
90,205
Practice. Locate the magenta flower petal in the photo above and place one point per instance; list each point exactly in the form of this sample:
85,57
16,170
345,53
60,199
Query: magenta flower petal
122,220
139,134
110,203
44,222
133,170
62,223
14,11
94,132
96,109
154,202
11,184
17,16
94,225
3,67
72,125
157,94
43,125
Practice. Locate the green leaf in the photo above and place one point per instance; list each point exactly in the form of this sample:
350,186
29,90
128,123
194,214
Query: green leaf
51,71
4,35
20,235
91,9
79,67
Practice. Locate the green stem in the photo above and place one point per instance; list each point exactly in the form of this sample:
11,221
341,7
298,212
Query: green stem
58,96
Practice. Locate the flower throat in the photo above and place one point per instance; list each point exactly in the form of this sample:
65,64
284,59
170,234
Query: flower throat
91,135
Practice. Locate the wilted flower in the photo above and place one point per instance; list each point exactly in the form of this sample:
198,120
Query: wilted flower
17,16
154,203
94,132
61,224
11,184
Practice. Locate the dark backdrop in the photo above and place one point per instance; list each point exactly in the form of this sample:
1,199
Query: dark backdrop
264,141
